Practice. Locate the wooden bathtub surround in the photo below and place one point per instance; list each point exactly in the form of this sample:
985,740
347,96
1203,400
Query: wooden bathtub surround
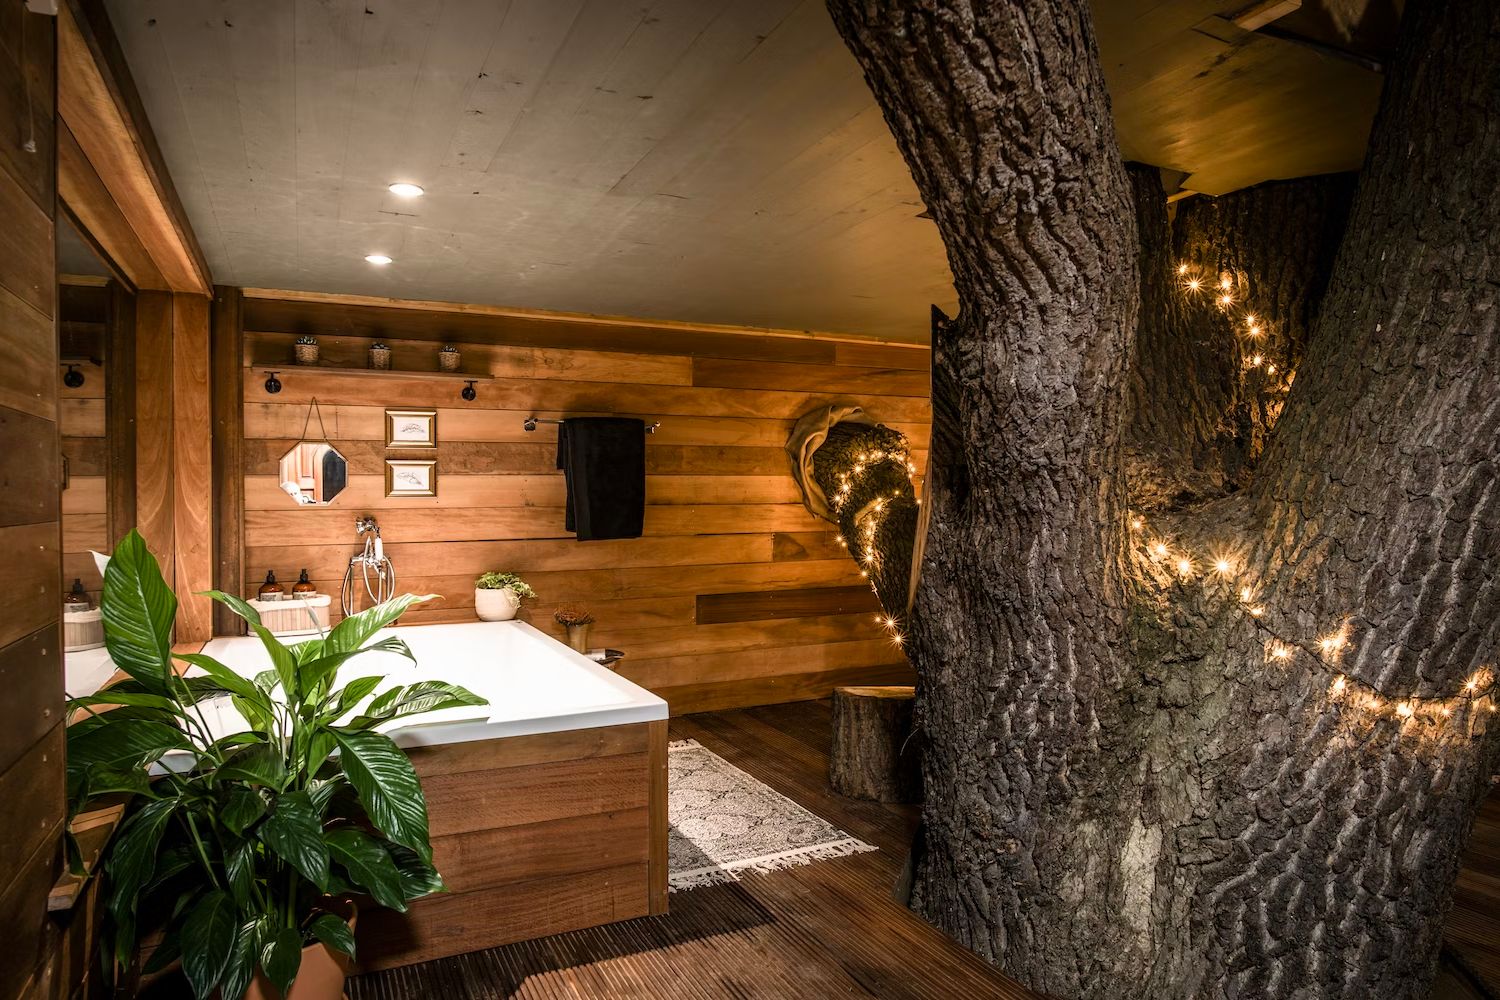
534,835
734,596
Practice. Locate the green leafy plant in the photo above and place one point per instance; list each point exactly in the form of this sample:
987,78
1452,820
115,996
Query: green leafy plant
238,849
502,581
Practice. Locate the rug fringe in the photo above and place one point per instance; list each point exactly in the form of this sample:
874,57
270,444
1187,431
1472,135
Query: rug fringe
847,847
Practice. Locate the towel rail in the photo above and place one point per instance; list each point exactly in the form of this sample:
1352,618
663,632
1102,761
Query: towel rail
530,424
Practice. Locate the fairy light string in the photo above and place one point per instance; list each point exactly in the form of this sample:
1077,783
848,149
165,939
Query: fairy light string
1476,697
872,513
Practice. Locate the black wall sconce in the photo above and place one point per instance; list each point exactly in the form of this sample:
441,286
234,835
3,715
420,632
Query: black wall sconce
273,384
468,393
72,378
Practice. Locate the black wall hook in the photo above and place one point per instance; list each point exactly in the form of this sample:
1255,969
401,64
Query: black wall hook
72,378
273,384
468,393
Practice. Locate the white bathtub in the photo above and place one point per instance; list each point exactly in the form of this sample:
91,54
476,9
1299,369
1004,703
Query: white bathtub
534,683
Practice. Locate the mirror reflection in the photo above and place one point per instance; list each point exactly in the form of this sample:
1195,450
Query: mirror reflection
313,473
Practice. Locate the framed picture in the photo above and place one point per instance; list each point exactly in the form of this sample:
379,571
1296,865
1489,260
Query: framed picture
411,428
410,477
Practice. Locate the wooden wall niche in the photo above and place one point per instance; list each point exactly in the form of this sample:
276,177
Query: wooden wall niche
97,422
734,596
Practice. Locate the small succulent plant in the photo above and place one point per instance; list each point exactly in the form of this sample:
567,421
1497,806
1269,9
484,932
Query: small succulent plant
308,339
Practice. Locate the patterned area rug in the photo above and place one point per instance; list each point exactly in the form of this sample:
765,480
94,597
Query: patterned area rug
725,823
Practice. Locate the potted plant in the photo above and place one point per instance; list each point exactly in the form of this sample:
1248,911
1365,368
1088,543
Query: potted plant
577,621
497,596
238,856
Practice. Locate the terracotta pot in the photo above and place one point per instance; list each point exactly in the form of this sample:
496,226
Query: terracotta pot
322,972
320,977
496,605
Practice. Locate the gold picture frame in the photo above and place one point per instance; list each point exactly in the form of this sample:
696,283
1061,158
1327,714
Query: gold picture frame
411,428
411,477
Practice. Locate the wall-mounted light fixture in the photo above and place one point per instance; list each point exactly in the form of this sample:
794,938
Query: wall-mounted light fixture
468,393
273,384
72,378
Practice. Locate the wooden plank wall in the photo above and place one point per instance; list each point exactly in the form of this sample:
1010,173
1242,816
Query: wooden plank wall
82,312
31,733
723,516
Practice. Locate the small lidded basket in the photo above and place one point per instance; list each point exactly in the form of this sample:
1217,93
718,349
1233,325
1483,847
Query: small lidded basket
380,357
307,350
449,358
83,627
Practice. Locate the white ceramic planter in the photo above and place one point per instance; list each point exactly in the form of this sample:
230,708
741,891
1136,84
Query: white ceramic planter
496,605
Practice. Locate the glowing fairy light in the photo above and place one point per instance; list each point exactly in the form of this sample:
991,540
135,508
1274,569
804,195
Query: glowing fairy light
1333,644
1182,269
1194,284
1226,299
1226,283
1256,360
1475,692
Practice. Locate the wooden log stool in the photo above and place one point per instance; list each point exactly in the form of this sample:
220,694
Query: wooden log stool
874,756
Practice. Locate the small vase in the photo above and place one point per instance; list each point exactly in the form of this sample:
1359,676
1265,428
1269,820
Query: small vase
380,357
449,359
496,605
578,637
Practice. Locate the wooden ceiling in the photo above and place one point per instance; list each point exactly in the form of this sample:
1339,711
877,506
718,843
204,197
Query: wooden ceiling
701,160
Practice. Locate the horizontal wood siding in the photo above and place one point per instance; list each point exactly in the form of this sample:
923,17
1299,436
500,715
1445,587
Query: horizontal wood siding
533,835
85,519
735,594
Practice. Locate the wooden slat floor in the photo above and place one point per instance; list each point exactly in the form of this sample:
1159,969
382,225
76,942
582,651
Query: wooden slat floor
829,929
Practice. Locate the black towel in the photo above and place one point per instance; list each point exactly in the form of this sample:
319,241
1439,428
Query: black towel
604,462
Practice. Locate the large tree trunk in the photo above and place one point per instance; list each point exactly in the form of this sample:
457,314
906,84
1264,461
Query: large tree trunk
1146,781
1229,292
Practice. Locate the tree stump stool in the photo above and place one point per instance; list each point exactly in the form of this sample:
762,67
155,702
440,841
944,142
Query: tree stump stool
873,754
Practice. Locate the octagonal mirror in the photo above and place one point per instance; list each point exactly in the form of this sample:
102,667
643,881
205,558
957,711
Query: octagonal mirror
313,473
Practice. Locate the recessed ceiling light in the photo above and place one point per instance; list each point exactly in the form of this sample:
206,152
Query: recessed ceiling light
406,190
377,258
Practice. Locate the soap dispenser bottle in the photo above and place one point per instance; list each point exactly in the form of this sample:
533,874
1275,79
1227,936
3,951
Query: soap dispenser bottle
76,599
270,590
304,586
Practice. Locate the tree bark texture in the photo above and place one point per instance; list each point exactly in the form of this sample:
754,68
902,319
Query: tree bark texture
1125,796
1209,377
874,756
865,473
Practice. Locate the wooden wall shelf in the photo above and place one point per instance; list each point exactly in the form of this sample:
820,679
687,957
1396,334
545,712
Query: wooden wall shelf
292,366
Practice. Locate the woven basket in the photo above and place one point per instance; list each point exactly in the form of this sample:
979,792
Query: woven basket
307,354
449,361
380,358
